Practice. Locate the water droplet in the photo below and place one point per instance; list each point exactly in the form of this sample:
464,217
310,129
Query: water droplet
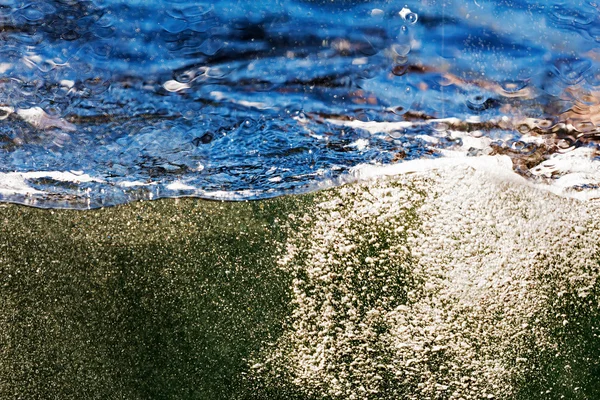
409,16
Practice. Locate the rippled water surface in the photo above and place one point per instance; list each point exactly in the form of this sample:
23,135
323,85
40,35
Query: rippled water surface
108,101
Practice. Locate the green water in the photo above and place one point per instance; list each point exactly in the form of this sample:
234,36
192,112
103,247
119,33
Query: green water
177,299
155,300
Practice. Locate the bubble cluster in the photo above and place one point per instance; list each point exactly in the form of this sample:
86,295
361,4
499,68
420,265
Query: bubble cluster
445,284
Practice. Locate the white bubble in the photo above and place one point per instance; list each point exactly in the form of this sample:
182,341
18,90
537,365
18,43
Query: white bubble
408,15
400,49
376,12
174,86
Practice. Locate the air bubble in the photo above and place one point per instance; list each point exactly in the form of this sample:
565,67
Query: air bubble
400,50
185,76
96,85
301,118
409,16
4,112
70,35
511,87
412,18
523,129
543,124
396,134
399,110
478,102
565,145
440,127
204,139
518,145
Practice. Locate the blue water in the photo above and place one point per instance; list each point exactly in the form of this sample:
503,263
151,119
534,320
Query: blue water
235,99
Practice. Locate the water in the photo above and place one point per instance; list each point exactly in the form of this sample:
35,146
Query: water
105,102
457,282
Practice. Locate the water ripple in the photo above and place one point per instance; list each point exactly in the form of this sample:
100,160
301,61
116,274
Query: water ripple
108,101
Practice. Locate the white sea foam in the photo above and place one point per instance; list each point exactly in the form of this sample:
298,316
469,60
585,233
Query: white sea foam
178,185
575,174
16,182
41,120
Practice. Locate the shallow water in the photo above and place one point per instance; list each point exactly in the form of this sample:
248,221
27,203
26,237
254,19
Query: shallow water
105,102
463,282
446,284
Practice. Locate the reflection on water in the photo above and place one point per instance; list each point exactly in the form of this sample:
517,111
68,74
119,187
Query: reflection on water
103,102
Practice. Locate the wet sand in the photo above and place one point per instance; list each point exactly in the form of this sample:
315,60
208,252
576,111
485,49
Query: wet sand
446,284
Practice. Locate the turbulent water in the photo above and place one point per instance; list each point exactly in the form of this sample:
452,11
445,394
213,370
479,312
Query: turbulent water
108,101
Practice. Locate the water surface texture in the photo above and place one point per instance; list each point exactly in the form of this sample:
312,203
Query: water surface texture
109,101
